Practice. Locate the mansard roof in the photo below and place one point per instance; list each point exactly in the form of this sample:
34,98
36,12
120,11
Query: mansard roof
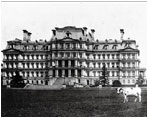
12,50
74,34
128,49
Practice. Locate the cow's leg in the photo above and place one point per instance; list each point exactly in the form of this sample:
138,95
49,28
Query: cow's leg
139,97
125,98
136,98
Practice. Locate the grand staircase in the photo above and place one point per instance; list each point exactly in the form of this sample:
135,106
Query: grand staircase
61,81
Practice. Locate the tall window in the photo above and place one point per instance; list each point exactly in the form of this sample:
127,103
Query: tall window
133,73
128,56
68,46
62,46
80,55
128,80
133,56
37,74
128,65
113,56
113,73
94,56
128,73
123,80
62,54
94,65
37,56
74,46
103,56
108,65
98,56
123,56
133,65
68,54
113,65
117,56
108,55
124,74
133,81
123,64
99,65
74,54
80,46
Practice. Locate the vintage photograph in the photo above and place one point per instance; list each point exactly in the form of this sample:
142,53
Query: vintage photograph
73,59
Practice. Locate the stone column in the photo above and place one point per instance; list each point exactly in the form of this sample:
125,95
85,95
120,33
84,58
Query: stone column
101,57
39,65
135,56
76,73
82,73
126,74
30,65
34,57
69,63
63,73
39,57
115,57
63,63
75,63
101,65
69,73
30,57
57,73
115,73
34,65
105,56
110,73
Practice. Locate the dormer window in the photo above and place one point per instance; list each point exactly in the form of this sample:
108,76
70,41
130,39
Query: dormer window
96,47
105,47
68,33
114,47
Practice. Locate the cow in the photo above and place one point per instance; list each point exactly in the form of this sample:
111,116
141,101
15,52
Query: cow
127,91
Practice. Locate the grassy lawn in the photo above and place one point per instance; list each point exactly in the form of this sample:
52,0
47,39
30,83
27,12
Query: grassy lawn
70,103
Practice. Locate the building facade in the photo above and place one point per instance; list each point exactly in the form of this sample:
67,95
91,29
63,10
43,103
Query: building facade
72,55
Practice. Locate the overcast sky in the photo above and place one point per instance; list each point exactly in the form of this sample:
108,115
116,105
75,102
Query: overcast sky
107,18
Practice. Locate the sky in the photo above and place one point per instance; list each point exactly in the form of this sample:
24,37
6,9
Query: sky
107,18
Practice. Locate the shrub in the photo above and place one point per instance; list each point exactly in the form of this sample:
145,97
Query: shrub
116,83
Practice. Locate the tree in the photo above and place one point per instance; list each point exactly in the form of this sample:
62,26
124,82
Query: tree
104,78
97,82
140,80
17,81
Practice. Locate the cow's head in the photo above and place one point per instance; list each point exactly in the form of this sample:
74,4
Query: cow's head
119,90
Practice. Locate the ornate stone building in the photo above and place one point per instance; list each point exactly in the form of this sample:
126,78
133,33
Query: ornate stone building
72,55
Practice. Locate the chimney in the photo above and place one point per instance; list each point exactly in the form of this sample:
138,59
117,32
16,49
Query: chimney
122,33
85,30
29,36
25,35
54,32
92,32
